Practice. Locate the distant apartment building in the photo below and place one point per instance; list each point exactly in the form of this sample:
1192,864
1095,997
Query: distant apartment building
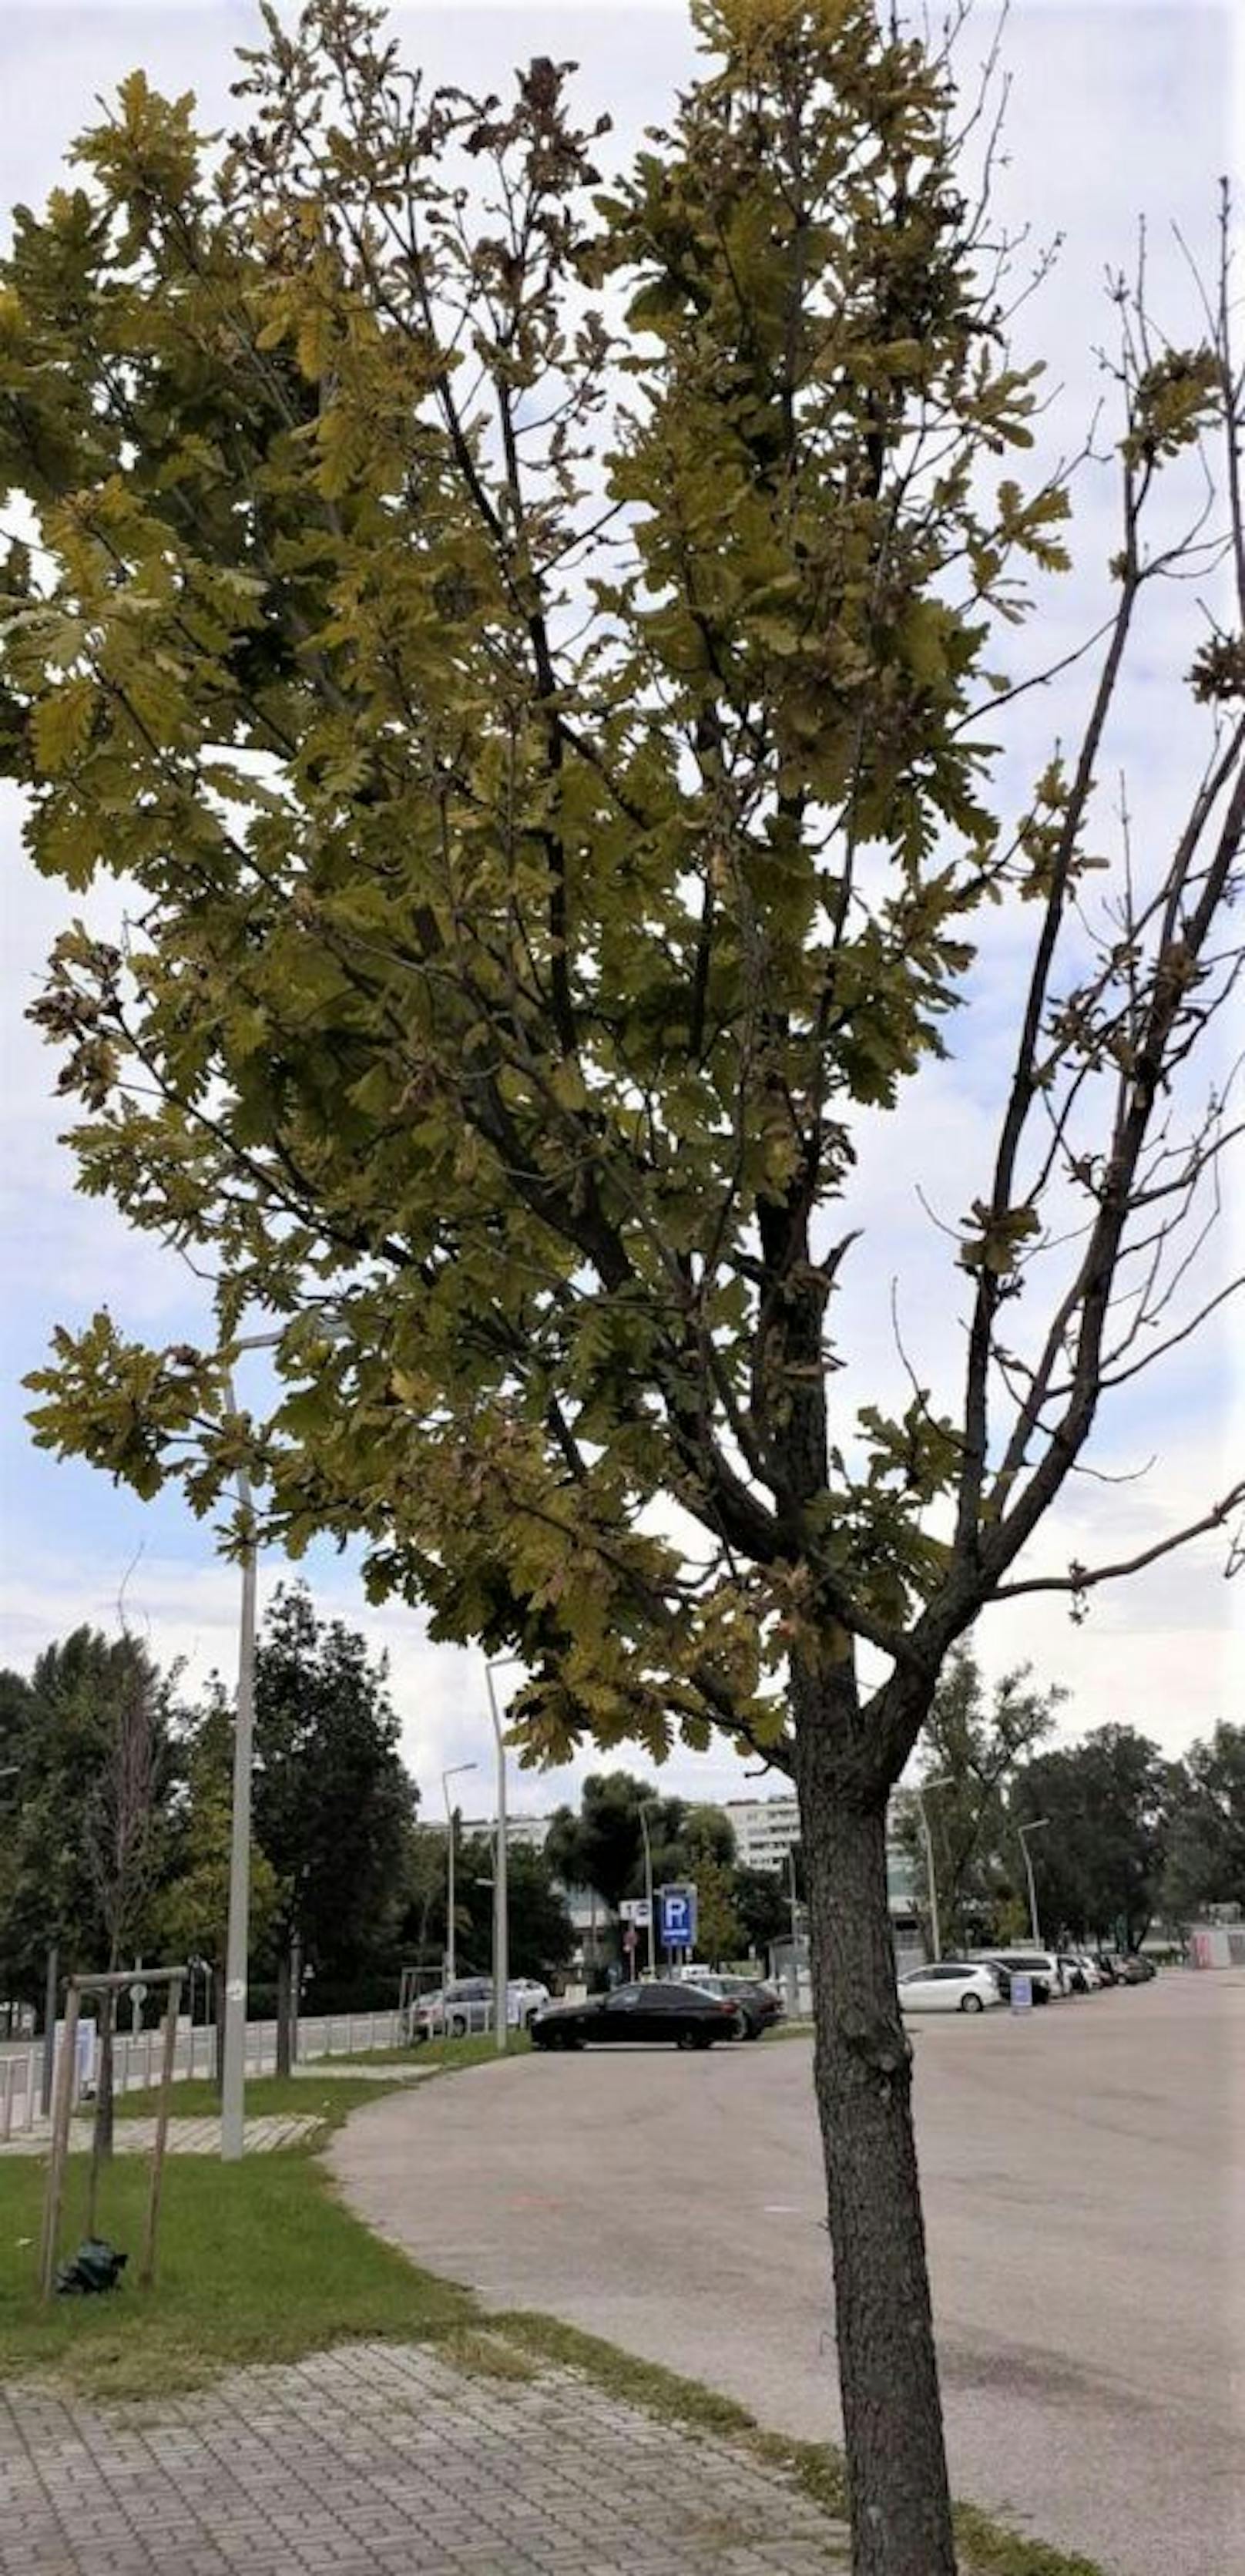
766,1828
523,1833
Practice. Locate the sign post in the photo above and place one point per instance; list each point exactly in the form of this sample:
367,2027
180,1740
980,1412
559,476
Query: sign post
677,1918
1022,1994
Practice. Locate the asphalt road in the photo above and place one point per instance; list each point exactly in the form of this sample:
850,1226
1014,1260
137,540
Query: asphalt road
1084,2179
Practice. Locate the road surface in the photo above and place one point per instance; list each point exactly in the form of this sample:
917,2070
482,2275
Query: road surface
1084,2178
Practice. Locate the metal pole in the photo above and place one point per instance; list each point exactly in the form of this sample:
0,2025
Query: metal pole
1023,1832
296,1988
233,2087
930,1879
60,2144
648,1889
49,2027
446,1777
501,1890
449,1894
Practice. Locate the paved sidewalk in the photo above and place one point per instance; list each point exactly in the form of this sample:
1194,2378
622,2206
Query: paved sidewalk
383,2460
185,2137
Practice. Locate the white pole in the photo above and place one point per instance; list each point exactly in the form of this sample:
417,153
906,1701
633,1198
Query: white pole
648,1889
930,1879
446,1777
6,2113
233,2088
1034,1827
501,1889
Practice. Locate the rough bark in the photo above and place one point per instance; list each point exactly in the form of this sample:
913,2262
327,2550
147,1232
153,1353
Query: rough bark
888,2372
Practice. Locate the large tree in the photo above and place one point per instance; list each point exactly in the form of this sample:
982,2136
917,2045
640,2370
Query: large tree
536,652
333,1801
1205,1858
973,1747
88,1844
1098,1859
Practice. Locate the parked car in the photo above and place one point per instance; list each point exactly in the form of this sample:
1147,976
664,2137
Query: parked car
1040,1966
1072,1972
678,2014
456,2011
953,1985
759,2003
1132,1970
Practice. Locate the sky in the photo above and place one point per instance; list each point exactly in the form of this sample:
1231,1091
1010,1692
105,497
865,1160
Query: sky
1117,110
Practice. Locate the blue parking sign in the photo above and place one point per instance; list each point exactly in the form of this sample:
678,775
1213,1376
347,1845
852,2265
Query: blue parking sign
677,1918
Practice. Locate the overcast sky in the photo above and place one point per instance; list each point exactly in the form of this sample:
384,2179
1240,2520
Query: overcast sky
1117,109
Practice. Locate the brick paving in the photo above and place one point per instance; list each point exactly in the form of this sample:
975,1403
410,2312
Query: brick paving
384,2460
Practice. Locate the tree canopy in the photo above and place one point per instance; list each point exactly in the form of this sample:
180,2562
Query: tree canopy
538,645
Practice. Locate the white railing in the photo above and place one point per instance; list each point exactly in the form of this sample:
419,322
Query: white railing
135,2057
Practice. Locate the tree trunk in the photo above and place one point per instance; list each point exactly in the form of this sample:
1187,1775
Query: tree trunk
888,2373
283,2012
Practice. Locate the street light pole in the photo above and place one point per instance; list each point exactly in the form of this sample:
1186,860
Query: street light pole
1023,1831
233,2082
501,1868
446,1777
931,1878
648,1890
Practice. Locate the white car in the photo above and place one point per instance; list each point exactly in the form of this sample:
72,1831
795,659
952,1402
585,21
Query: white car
466,2008
952,1986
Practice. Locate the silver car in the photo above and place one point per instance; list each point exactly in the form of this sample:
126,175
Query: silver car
466,2007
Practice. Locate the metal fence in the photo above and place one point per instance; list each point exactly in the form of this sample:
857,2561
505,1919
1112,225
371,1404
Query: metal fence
136,2060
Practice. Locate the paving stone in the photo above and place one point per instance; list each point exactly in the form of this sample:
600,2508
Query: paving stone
381,2460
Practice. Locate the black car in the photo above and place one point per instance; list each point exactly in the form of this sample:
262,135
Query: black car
758,2003
679,2015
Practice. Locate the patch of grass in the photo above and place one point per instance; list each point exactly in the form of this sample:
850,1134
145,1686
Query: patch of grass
257,2262
444,2055
486,2356
789,2030
268,2097
987,2548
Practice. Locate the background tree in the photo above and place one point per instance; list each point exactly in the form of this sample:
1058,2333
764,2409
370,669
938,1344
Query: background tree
761,1903
125,1846
719,1933
191,1917
91,1733
541,1934
602,1846
1205,1861
1098,1863
333,1802
561,824
972,1749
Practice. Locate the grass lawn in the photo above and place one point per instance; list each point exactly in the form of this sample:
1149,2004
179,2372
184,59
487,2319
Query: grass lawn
256,2262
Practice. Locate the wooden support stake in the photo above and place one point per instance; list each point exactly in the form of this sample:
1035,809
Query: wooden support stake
62,2107
173,2007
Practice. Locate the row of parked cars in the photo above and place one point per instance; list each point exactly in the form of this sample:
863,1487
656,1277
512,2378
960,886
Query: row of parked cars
984,1977
689,2011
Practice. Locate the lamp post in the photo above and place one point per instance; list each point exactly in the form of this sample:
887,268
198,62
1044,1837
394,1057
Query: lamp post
233,2074
446,1777
1023,1831
648,1884
501,1866
930,1875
